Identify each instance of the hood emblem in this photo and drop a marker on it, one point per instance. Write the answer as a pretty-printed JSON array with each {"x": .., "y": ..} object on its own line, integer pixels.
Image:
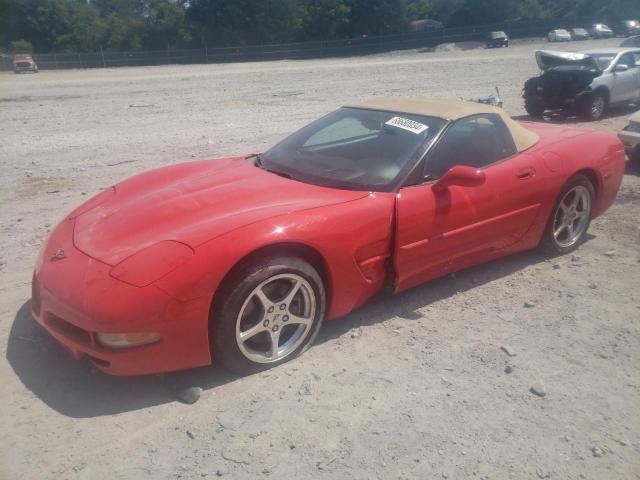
[{"x": 59, "y": 255}]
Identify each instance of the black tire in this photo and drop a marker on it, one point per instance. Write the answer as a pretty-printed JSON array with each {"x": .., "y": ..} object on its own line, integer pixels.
[
  {"x": 533, "y": 108},
  {"x": 238, "y": 291},
  {"x": 549, "y": 244},
  {"x": 592, "y": 107}
]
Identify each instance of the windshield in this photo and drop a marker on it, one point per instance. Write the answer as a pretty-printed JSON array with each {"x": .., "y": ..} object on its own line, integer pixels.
[
  {"x": 498, "y": 35},
  {"x": 354, "y": 148},
  {"x": 603, "y": 60}
]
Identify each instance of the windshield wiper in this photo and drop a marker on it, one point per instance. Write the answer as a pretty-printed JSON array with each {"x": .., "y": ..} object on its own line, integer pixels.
[{"x": 258, "y": 163}]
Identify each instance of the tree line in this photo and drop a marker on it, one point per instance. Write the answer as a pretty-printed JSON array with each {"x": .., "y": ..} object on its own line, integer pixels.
[{"x": 90, "y": 25}]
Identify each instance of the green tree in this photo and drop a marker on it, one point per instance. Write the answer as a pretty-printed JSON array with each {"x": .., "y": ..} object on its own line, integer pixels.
[
  {"x": 325, "y": 19},
  {"x": 419, "y": 9},
  {"x": 378, "y": 17},
  {"x": 21, "y": 46},
  {"x": 165, "y": 24},
  {"x": 220, "y": 22}
]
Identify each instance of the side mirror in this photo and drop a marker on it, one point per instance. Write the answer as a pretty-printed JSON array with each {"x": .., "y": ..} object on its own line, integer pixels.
[
  {"x": 621, "y": 67},
  {"x": 459, "y": 175}
]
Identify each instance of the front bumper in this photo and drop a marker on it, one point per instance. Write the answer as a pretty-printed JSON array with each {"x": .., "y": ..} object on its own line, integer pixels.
[
  {"x": 569, "y": 103},
  {"x": 74, "y": 297},
  {"x": 629, "y": 139}
]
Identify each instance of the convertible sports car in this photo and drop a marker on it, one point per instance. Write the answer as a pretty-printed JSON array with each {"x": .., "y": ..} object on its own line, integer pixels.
[{"x": 241, "y": 259}]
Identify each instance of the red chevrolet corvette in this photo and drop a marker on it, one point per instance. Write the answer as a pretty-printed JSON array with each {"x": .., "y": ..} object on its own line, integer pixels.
[{"x": 241, "y": 259}]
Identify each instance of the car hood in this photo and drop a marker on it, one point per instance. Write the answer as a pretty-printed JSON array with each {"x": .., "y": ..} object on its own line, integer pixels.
[
  {"x": 547, "y": 59},
  {"x": 190, "y": 203}
]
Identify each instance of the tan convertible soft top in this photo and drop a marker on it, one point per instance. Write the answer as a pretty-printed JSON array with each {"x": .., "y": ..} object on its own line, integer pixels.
[{"x": 451, "y": 110}]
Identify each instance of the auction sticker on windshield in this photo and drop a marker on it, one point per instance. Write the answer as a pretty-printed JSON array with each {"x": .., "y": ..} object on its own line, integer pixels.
[{"x": 406, "y": 124}]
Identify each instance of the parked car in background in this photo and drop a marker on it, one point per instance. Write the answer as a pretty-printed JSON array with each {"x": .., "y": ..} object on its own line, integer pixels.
[
  {"x": 559, "y": 35},
  {"x": 584, "y": 83},
  {"x": 631, "y": 42},
  {"x": 629, "y": 28},
  {"x": 630, "y": 137},
  {"x": 579, "y": 34},
  {"x": 497, "y": 40},
  {"x": 600, "y": 30},
  {"x": 23, "y": 62}
]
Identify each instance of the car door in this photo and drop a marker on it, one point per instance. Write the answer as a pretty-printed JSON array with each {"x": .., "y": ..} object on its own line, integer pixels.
[
  {"x": 636, "y": 63},
  {"x": 440, "y": 232},
  {"x": 626, "y": 84}
]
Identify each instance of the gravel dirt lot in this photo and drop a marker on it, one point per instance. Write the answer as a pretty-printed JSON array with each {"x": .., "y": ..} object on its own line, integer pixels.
[{"x": 409, "y": 387}]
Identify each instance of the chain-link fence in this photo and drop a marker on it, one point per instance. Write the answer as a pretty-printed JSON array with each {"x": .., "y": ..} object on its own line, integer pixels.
[{"x": 426, "y": 39}]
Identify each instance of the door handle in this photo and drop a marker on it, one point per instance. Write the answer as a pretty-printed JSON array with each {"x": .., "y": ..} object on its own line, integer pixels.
[{"x": 526, "y": 173}]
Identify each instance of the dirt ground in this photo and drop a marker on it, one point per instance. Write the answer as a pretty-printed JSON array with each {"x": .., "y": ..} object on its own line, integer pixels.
[{"x": 409, "y": 387}]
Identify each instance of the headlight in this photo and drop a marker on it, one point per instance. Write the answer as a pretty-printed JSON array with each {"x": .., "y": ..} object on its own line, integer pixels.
[
  {"x": 125, "y": 340},
  {"x": 152, "y": 263}
]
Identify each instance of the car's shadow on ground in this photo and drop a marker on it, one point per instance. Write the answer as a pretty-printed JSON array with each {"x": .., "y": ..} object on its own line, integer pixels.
[
  {"x": 76, "y": 389},
  {"x": 560, "y": 118}
]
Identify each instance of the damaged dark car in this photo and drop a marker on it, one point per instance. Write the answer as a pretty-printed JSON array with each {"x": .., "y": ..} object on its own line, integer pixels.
[{"x": 583, "y": 84}]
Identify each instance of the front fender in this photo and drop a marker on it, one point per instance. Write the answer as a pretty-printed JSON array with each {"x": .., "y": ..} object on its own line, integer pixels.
[{"x": 353, "y": 239}]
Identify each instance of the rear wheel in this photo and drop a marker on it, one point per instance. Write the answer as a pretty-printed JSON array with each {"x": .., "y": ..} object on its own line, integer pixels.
[
  {"x": 593, "y": 107},
  {"x": 269, "y": 314},
  {"x": 570, "y": 217}
]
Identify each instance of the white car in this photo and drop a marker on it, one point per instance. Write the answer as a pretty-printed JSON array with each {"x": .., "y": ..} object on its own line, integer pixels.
[
  {"x": 560, "y": 35},
  {"x": 600, "y": 30},
  {"x": 586, "y": 83},
  {"x": 630, "y": 137}
]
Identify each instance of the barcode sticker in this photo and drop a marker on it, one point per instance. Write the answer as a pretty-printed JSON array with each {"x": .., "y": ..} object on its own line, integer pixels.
[{"x": 406, "y": 124}]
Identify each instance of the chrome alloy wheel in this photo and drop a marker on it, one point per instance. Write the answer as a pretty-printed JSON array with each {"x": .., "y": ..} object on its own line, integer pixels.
[
  {"x": 597, "y": 107},
  {"x": 571, "y": 217},
  {"x": 276, "y": 318}
]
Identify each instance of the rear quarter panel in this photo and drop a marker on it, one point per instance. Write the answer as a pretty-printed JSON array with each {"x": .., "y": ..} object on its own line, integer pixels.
[{"x": 565, "y": 151}]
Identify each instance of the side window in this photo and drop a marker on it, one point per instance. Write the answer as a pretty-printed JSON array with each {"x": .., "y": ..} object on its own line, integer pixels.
[
  {"x": 474, "y": 141},
  {"x": 627, "y": 59},
  {"x": 636, "y": 59}
]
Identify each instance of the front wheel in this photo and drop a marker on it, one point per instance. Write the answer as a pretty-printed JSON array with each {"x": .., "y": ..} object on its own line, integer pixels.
[
  {"x": 269, "y": 313},
  {"x": 534, "y": 109},
  {"x": 570, "y": 217},
  {"x": 593, "y": 107}
]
